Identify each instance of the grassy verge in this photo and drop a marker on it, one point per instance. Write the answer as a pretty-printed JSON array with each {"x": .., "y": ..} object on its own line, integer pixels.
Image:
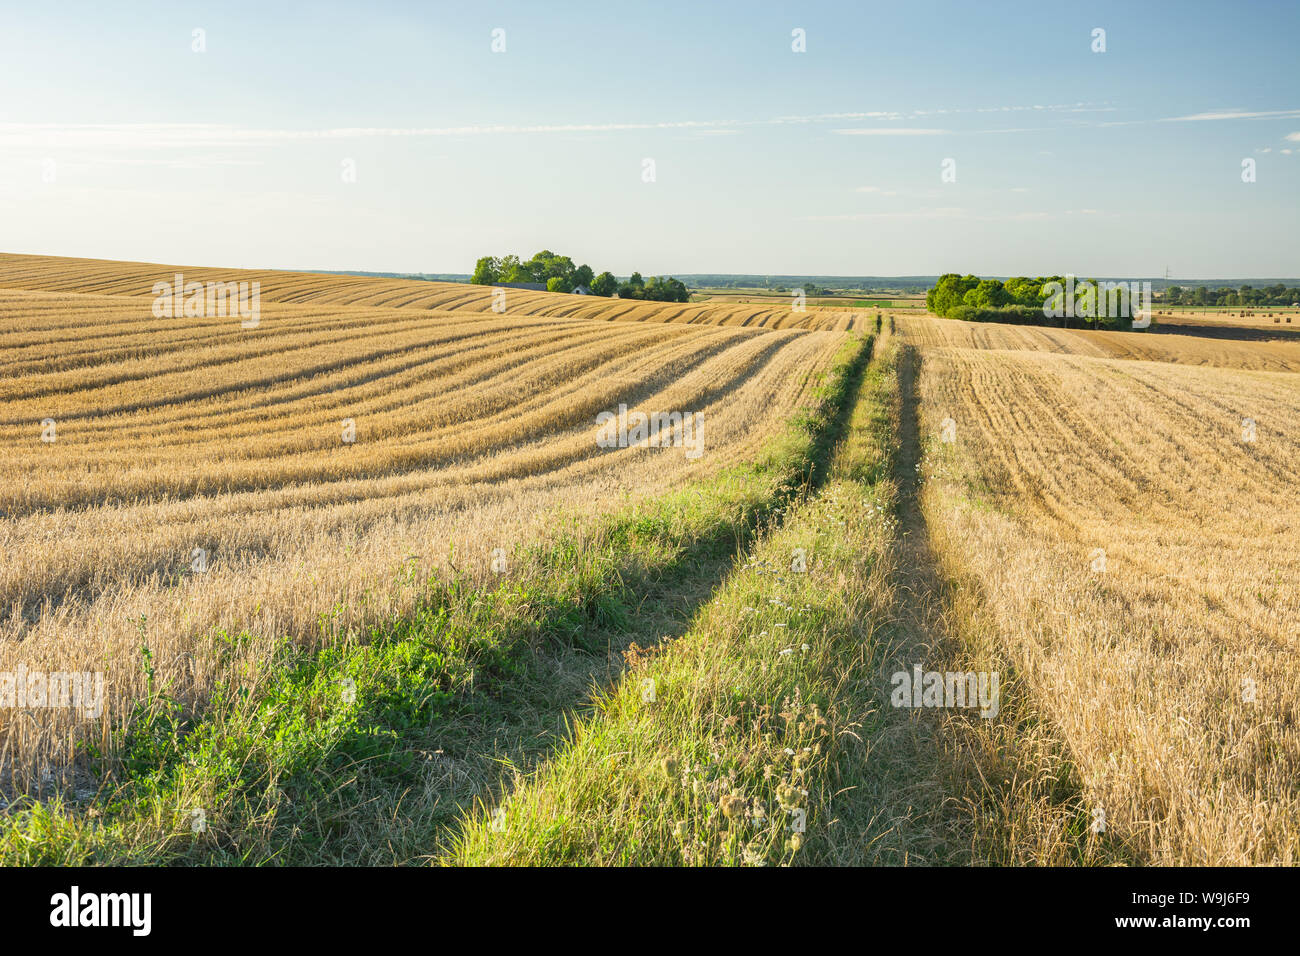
[
  {"x": 367, "y": 751},
  {"x": 740, "y": 743}
]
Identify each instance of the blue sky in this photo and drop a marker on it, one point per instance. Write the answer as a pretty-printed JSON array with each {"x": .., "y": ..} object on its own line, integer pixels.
[{"x": 117, "y": 140}]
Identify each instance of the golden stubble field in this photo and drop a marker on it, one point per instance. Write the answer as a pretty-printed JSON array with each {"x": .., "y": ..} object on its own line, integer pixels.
[
  {"x": 180, "y": 439},
  {"x": 106, "y": 277},
  {"x": 1125, "y": 503},
  {"x": 1135, "y": 529}
]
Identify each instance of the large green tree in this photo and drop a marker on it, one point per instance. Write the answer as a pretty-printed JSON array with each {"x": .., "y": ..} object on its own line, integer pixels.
[
  {"x": 487, "y": 271},
  {"x": 604, "y": 284},
  {"x": 989, "y": 294},
  {"x": 512, "y": 270},
  {"x": 665, "y": 289},
  {"x": 547, "y": 265}
]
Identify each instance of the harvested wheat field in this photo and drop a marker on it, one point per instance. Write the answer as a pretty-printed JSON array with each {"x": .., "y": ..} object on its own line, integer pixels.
[
  {"x": 166, "y": 479},
  {"x": 1132, "y": 526},
  {"x": 103, "y": 277},
  {"x": 1180, "y": 344},
  {"x": 1268, "y": 318},
  {"x": 388, "y": 484}
]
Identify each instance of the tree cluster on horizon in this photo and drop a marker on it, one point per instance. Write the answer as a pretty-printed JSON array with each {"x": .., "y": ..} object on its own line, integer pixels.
[
  {"x": 559, "y": 274},
  {"x": 1246, "y": 296},
  {"x": 1018, "y": 300}
]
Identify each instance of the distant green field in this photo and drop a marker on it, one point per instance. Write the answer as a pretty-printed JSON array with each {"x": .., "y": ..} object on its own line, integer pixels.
[
  {"x": 819, "y": 301},
  {"x": 871, "y": 303}
]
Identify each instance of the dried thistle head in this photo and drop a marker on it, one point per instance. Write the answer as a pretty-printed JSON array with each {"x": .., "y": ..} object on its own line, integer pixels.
[
  {"x": 733, "y": 805},
  {"x": 788, "y": 796}
]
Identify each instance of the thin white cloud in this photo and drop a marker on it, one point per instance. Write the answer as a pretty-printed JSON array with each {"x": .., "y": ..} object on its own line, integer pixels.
[
  {"x": 54, "y": 137},
  {"x": 107, "y": 138},
  {"x": 942, "y": 212},
  {"x": 1019, "y": 129},
  {"x": 829, "y": 117},
  {"x": 1053, "y": 108},
  {"x": 1230, "y": 115},
  {"x": 890, "y": 131},
  {"x": 198, "y": 135},
  {"x": 201, "y": 135},
  {"x": 1292, "y": 137},
  {"x": 936, "y": 212}
]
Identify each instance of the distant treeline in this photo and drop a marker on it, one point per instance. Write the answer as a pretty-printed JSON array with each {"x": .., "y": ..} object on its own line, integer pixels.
[
  {"x": 559, "y": 274},
  {"x": 421, "y": 276},
  {"x": 1246, "y": 296},
  {"x": 824, "y": 284},
  {"x": 1044, "y": 300}
]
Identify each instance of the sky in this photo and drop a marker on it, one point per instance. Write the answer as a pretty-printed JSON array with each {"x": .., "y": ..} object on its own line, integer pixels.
[{"x": 392, "y": 137}]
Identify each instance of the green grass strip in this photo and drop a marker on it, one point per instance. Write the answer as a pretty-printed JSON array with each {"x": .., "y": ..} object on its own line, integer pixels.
[
  {"x": 735, "y": 744},
  {"x": 283, "y": 772}
]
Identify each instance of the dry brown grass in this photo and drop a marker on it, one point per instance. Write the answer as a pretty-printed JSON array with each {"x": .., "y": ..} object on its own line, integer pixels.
[
  {"x": 474, "y": 431},
  {"x": 1272, "y": 318},
  {"x": 106, "y": 277},
  {"x": 1145, "y": 668},
  {"x": 1165, "y": 343}
]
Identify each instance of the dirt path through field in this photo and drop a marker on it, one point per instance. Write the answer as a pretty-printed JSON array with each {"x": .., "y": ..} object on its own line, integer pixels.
[{"x": 913, "y": 799}]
